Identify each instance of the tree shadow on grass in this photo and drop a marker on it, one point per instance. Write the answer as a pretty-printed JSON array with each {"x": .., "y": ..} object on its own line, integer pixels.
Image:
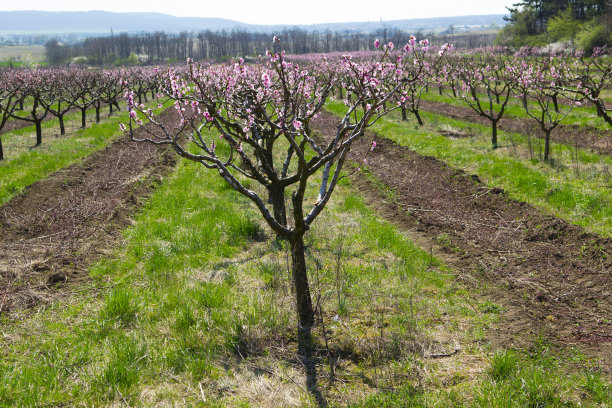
[{"x": 307, "y": 357}]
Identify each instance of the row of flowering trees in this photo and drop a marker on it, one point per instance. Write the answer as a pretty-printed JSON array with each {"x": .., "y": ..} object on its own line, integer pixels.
[
  {"x": 33, "y": 95},
  {"x": 486, "y": 83}
]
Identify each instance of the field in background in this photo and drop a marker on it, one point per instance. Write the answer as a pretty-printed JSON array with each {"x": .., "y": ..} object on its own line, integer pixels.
[{"x": 21, "y": 53}]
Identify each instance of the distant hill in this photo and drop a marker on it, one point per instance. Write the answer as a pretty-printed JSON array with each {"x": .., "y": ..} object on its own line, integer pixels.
[{"x": 96, "y": 22}]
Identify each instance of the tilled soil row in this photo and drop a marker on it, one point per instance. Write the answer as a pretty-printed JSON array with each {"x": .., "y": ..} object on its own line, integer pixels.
[
  {"x": 584, "y": 137},
  {"x": 550, "y": 277},
  {"x": 57, "y": 227}
]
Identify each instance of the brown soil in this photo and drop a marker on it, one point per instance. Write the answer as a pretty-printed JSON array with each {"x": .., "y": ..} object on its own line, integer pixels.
[
  {"x": 584, "y": 137},
  {"x": 57, "y": 227},
  {"x": 550, "y": 277}
]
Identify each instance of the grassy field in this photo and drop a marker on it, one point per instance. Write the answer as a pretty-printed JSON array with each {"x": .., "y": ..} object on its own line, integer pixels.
[
  {"x": 21, "y": 53},
  {"x": 195, "y": 308},
  {"x": 575, "y": 185}
]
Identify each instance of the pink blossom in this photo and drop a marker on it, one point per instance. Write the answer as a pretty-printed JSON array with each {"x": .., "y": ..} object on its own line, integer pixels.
[{"x": 376, "y": 43}]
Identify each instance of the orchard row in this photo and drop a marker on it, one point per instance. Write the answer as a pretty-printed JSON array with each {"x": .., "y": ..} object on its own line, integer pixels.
[{"x": 32, "y": 95}]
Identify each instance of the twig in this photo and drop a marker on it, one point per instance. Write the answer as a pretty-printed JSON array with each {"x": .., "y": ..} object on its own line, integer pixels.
[
  {"x": 202, "y": 392},
  {"x": 442, "y": 355},
  {"x": 122, "y": 397}
]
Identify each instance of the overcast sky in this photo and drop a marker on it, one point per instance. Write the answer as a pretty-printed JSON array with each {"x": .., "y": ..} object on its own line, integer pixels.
[{"x": 281, "y": 11}]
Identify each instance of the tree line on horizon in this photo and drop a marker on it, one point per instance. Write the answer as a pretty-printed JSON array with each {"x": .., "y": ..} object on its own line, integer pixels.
[{"x": 155, "y": 47}]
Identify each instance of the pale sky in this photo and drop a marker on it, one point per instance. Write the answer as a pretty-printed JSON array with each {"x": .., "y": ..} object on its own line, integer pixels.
[{"x": 280, "y": 11}]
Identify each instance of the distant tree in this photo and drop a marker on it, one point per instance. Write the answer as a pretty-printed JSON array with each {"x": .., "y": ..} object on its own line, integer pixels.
[
  {"x": 56, "y": 52},
  {"x": 529, "y": 19},
  {"x": 563, "y": 26}
]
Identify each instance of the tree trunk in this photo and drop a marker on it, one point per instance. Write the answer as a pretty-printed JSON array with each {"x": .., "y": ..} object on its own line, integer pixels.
[
  {"x": 440, "y": 90},
  {"x": 140, "y": 99},
  {"x": 555, "y": 103},
  {"x": 404, "y": 117},
  {"x": 1, "y": 150},
  {"x": 83, "y": 118},
  {"x": 300, "y": 281},
  {"x": 60, "y": 117},
  {"x": 601, "y": 112},
  {"x": 20, "y": 106},
  {"x": 494, "y": 134},
  {"x": 98, "y": 113},
  {"x": 38, "y": 133},
  {"x": 418, "y": 117},
  {"x": 547, "y": 146},
  {"x": 277, "y": 199}
]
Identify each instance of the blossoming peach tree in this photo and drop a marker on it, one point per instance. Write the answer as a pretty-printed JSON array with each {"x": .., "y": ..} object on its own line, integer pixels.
[{"x": 262, "y": 113}]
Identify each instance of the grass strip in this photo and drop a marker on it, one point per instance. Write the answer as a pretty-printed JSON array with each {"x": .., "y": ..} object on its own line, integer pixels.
[
  {"x": 575, "y": 185},
  {"x": 580, "y": 116}
]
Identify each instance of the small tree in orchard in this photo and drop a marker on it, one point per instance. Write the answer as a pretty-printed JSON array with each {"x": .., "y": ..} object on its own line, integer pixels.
[
  {"x": 9, "y": 99},
  {"x": 540, "y": 82},
  {"x": 111, "y": 88},
  {"x": 409, "y": 97},
  {"x": 490, "y": 76},
  {"x": 591, "y": 76},
  {"x": 261, "y": 113},
  {"x": 61, "y": 101},
  {"x": 82, "y": 91},
  {"x": 37, "y": 85}
]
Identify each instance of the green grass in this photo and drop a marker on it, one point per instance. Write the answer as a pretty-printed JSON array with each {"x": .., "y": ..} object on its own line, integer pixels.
[
  {"x": 580, "y": 115},
  {"x": 25, "y": 164},
  {"x": 159, "y": 318},
  {"x": 575, "y": 185},
  {"x": 511, "y": 379}
]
